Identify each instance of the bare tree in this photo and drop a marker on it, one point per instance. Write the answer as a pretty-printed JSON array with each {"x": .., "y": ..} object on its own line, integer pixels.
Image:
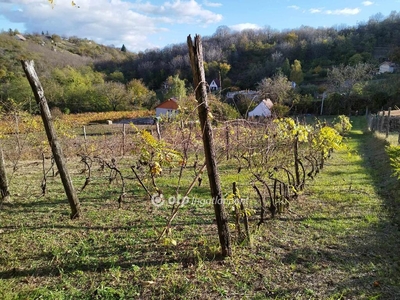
[
  {"x": 342, "y": 79},
  {"x": 276, "y": 88}
]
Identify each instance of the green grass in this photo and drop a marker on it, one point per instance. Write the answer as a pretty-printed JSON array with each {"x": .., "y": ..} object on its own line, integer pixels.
[
  {"x": 392, "y": 139},
  {"x": 339, "y": 240}
]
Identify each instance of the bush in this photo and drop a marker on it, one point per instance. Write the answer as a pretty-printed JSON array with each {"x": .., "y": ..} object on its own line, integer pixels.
[
  {"x": 394, "y": 155},
  {"x": 56, "y": 112},
  {"x": 280, "y": 110},
  {"x": 342, "y": 124}
]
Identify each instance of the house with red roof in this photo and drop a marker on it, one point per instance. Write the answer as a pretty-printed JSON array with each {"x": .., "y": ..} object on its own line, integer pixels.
[{"x": 167, "y": 108}]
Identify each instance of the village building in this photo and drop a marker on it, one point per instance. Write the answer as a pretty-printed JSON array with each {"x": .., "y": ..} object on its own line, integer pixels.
[
  {"x": 214, "y": 85},
  {"x": 387, "y": 67},
  {"x": 262, "y": 110},
  {"x": 168, "y": 108}
]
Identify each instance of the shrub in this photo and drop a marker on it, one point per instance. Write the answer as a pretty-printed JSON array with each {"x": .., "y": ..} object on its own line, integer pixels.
[
  {"x": 342, "y": 124},
  {"x": 394, "y": 155}
]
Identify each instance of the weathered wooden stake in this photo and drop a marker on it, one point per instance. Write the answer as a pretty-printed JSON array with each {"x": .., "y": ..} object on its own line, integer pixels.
[
  {"x": 84, "y": 138},
  {"x": 227, "y": 141},
  {"x": 200, "y": 86},
  {"x": 398, "y": 139},
  {"x": 245, "y": 217},
  {"x": 388, "y": 123},
  {"x": 158, "y": 129},
  {"x": 123, "y": 139},
  {"x": 56, "y": 148},
  {"x": 4, "y": 191},
  {"x": 382, "y": 121}
]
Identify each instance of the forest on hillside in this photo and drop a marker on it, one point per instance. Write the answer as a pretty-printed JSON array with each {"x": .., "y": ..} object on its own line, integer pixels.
[{"x": 79, "y": 75}]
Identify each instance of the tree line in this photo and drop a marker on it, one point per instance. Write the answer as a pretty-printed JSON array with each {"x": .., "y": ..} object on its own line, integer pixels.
[{"x": 80, "y": 75}]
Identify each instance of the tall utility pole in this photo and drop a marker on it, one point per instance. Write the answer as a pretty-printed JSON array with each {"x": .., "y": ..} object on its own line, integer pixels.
[
  {"x": 200, "y": 86},
  {"x": 56, "y": 148}
]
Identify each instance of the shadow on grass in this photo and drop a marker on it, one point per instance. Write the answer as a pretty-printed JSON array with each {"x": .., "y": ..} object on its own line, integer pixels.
[
  {"x": 361, "y": 263},
  {"x": 378, "y": 163},
  {"x": 379, "y": 250},
  {"x": 99, "y": 257},
  {"x": 368, "y": 258}
]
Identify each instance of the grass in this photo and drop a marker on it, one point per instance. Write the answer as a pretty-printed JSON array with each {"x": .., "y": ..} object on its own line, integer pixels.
[
  {"x": 392, "y": 139},
  {"x": 339, "y": 240}
]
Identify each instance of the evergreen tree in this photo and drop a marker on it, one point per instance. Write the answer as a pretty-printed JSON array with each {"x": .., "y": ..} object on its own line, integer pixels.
[{"x": 123, "y": 48}]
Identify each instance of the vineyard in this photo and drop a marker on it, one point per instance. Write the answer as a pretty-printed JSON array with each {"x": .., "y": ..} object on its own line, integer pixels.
[
  {"x": 147, "y": 228},
  {"x": 274, "y": 157}
]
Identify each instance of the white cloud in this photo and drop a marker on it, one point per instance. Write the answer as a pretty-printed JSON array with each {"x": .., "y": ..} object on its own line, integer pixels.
[
  {"x": 107, "y": 21},
  {"x": 344, "y": 11},
  {"x": 243, "y": 26},
  {"x": 179, "y": 12},
  {"x": 315, "y": 10},
  {"x": 212, "y": 4},
  {"x": 367, "y": 3},
  {"x": 294, "y": 7}
]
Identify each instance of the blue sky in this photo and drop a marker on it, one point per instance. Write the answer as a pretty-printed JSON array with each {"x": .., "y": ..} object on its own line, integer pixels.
[{"x": 150, "y": 24}]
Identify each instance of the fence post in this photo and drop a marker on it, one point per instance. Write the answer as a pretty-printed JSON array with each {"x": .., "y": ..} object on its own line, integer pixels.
[
  {"x": 398, "y": 139},
  {"x": 123, "y": 139},
  {"x": 388, "y": 123},
  {"x": 227, "y": 140},
  {"x": 84, "y": 138},
  {"x": 4, "y": 191},
  {"x": 382, "y": 121},
  {"x": 369, "y": 122}
]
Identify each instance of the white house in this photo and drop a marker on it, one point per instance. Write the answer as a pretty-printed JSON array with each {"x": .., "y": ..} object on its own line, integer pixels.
[
  {"x": 215, "y": 85},
  {"x": 387, "y": 67},
  {"x": 262, "y": 110},
  {"x": 167, "y": 109}
]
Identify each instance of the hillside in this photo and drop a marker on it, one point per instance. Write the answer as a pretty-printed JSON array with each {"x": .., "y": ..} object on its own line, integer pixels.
[
  {"x": 54, "y": 51},
  {"x": 75, "y": 68}
]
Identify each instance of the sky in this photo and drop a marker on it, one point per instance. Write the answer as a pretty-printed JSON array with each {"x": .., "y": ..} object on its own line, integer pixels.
[{"x": 149, "y": 24}]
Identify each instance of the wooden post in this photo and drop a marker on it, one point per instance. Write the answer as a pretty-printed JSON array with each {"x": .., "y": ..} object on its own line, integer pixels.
[
  {"x": 376, "y": 122},
  {"x": 56, "y": 148},
  {"x": 369, "y": 122},
  {"x": 123, "y": 139},
  {"x": 382, "y": 121},
  {"x": 4, "y": 191},
  {"x": 245, "y": 217},
  {"x": 84, "y": 139},
  {"x": 388, "y": 123},
  {"x": 398, "y": 139},
  {"x": 156, "y": 121},
  {"x": 296, "y": 162},
  {"x": 199, "y": 82},
  {"x": 227, "y": 140}
]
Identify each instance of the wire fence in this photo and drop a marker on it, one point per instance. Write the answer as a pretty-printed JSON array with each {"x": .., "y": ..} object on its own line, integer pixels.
[{"x": 386, "y": 122}]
